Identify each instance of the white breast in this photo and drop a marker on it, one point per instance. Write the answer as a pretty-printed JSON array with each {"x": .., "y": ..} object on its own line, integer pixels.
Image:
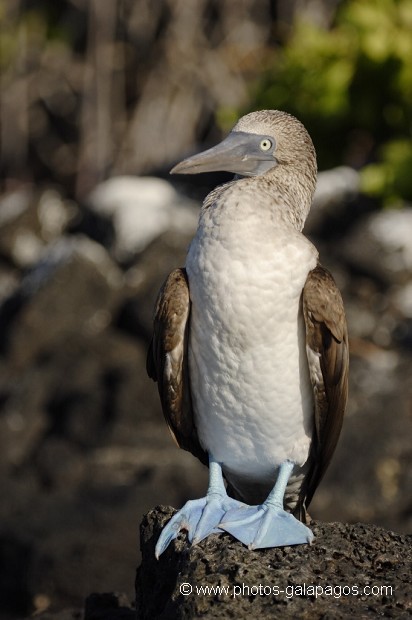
[{"x": 251, "y": 392}]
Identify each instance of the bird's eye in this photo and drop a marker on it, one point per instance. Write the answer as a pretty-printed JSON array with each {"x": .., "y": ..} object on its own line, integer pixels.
[{"x": 265, "y": 145}]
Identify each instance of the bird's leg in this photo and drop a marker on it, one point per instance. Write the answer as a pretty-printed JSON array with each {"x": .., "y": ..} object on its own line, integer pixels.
[
  {"x": 268, "y": 525},
  {"x": 200, "y": 517}
]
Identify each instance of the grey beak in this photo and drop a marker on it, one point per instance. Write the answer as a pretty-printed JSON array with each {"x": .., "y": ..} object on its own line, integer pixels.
[{"x": 238, "y": 153}]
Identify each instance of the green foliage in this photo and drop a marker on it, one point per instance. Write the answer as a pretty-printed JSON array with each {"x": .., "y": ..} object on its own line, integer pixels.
[
  {"x": 390, "y": 178},
  {"x": 352, "y": 87}
]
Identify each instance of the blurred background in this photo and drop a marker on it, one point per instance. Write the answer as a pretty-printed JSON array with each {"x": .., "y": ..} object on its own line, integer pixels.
[{"x": 97, "y": 101}]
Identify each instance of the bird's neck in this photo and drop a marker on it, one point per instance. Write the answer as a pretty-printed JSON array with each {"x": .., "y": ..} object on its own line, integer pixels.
[
  {"x": 287, "y": 197},
  {"x": 297, "y": 191}
]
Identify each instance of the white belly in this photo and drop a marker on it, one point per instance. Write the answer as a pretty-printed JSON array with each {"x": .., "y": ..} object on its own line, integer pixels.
[{"x": 252, "y": 396}]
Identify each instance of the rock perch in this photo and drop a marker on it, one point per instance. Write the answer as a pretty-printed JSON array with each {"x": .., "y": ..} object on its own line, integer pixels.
[{"x": 350, "y": 571}]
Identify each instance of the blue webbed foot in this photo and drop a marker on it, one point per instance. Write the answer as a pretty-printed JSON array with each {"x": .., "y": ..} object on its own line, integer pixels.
[
  {"x": 268, "y": 525},
  {"x": 263, "y": 526},
  {"x": 187, "y": 518},
  {"x": 200, "y": 517}
]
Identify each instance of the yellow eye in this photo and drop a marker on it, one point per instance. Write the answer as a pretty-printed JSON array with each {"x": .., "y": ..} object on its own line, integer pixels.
[{"x": 265, "y": 145}]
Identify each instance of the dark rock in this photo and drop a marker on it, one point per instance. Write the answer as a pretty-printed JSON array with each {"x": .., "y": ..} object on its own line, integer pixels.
[
  {"x": 329, "y": 579},
  {"x": 65, "y": 614},
  {"x": 97, "y": 227},
  {"x": 108, "y": 606},
  {"x": 58, "y": 463},
  {"x": 9, "y": 280},
  {"x": 73, "y": 288},
  {"x": 373, "y": 484},
  {"x": 146, "y": 277},
  {"x": 15, "y": 557},
  {"x": 84, "y": 448},
  {"x": 85, "y": 452}
]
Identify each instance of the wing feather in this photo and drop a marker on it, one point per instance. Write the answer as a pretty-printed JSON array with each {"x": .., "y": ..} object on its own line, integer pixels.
[
  {"x": 167, "y": 361},
  {"x": 328, "y": 357}
]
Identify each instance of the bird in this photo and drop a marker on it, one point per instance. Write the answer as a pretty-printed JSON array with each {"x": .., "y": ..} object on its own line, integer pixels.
[{"x": 250, "y": 342}]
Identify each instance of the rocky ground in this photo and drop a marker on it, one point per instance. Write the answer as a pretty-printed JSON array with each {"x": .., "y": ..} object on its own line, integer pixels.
[
  {"x": 349, "y": 571},
  {"x": 84, "y": 451}
]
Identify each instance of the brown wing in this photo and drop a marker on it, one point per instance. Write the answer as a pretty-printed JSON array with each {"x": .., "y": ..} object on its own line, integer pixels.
[
  {"x": 167, "y": 361},
  {"x": 328, "y": 356}
]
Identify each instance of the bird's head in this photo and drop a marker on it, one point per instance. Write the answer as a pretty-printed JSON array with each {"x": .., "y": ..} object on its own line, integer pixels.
[{"x": 259, "y": 143}]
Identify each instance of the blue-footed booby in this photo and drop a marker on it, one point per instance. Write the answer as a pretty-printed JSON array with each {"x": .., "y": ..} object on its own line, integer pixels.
[{"x": 250, "y": 345}]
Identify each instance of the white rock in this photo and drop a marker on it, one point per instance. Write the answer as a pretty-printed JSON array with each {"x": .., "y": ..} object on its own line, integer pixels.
[
  {"x": 402, "y": 298},
  {"x": 13, "y": 205},
  {"x": 382, "y": 244},
  {"x": 336, "y": 185},
  {"x": 392, "y": 231},
  {"x": 54, "y": 215},
  {"x": 334, "y": 189},
  {"x": 142, "y": 208}
]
